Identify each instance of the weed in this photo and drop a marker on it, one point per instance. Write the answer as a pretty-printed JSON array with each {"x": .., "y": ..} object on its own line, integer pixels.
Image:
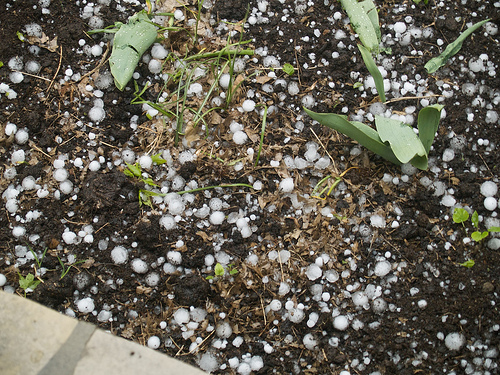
[
  {"x": 67, "y": 267},
  {"x": 135, "y": 171},
  {"x": 460, "y": 216},
  {"x": 38, "y": 260},
  {"x": 468, "y": 264},
  {"x": 28, "y": 283},
  {"x": 289, "y": 69},
  {"x": 219, "y": 271}
]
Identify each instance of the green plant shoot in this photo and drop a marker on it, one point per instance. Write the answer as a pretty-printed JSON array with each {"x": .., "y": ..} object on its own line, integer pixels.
[
  {"x": 468, "y": 264},
  {"x": 289, "y": 69},
  {"x": 28, "y": 283},
  {"x": 460, "y": 216},
  {"x": 364, "y": 20},
  {"x": 452, "y": 48}
]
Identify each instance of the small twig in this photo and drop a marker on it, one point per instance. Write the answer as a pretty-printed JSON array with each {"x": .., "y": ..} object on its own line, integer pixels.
[
  {"x": 324, "y": 148},
  {"x": 57, "y": 71}
]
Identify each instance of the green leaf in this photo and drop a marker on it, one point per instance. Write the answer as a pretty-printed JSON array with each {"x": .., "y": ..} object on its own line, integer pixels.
[
  {"x": 128, "y": 173},
  {"x": 452, "y": 48},
  {"x": 460, "y": 215},
  {"x": 404, "y": 142},
  {"x": 362, "y": 24},
  {"x": 289, "y": 69},
  {"x": 1, "y": 64},
  {"x": 219, "y": 270},
  {"x": 28, "y": 282},
  {"x": 357, "y": 85},
  {"x": 374, "y": 71},
  {"x": 149, "y": 181},
  {"x": 158, "y": 160},
  {"x": 469, "y": 264},
  {"x": 363, "y": 134},
  {"x": 479, "y": 236},
  {"x": 135, "y": 169},
  {"x": 233, "y": 272},
  {"x": 372, "y": 13},
  {"x": 494, "y": 229},
  {"x": 475, "y": 219},
  {"x": 428, "y": 123},
  {"x": 130, "y": 43},
  {"x": 20, "y": 36}
]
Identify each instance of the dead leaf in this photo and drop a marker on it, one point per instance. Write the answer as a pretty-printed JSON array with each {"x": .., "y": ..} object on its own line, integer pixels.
[{"x": 44, "y": 42}]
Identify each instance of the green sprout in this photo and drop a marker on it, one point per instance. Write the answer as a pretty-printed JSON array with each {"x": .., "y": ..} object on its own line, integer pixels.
[
  {"x": 289, "y": 69},
  {"x": 468, "y": 264},
  {"x": 460, "y": 216},
  {"x": 135, "y": 171},
  {"x": 28, "y": 283},
  {"x": 67, "y": 267},
  {"x": 219, "y": 271},
  {"x": 419, "y": 1}
]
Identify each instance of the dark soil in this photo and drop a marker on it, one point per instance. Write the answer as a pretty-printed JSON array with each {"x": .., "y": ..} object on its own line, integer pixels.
[{"x": 426, "y": 250}]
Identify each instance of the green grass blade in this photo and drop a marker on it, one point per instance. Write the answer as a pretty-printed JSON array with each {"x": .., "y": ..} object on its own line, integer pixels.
[
  {"x": 452, "y": 48},
  {"x": 428, "y": 123},
  {"x": 362, "y": 24},
  {"x": 403, "y": 141},
  {"x": 363, "y": 134},
  {"x": 373, "y": 69}
]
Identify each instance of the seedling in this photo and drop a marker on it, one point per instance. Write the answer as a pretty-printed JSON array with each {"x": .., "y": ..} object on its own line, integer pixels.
[
  {"x": 468, "y": 264},
  {"x": 135, "y": 171},
  {"x": 67, "y": 267},
  {"x": 37, "y": 260},
  {"x": 28, "y": 283},
  {"x": 219, "y": 271},
  {"x": 419, "y": 1},
  {"x": 289, "y": 69},
  {"x": 392, "y": 139},
  {"x": 452, "y": 48},
  {"x": 460, "y": 216}
]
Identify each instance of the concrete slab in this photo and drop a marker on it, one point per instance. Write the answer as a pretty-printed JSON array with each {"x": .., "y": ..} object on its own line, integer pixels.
[{"x": 37, "y": 340}]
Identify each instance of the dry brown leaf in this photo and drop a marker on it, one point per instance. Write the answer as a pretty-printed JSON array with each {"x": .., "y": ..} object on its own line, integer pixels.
[{"x": 44, "y": 42}]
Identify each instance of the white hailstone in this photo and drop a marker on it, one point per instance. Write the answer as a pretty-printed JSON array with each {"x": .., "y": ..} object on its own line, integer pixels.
[
  {"x": 145, "y": 162},
  {"x": 96, "y": 50},
  {"x": 28, "y": 183},
  {"x": 400, "y": 27},
  {"x": 491, "y": 28},
  {"x": 296, "y": 315},
  {"x": 224, "y": 80},
  {"x": 10, "y": 129},
  {"x": 309, "y": 341},
  {"x": 154, "y": 342},
  {"x": 340, "y": 322},
  {"x": 176, "y": 207},
  {"x": 155, "y": 66},
  {"x": 448, "y": 200},
  {"x": 256, "y": 363},
  {"x": 286, "y": 185},
  {"x": 18, "y": 231},
  {"x": 308, "y": 101},
  {"x": 454, "y": 340},
  {"x": 167, "y": 222},
  {"x": 58, "y": 163},
  {"x": 104, "y": 316},
  {"x": 33, "y": 29},
  {"x": 69, "y": 237},
  {"x": 293, "y": 88},
  {"x": 377, "y": 221},
  {"x": 240, "y": 137},
  {"x": 97, "y": 114},
  {"x": 359, "y": 299},
  {"x": 18, "y": 157},
  {"x": 283, "y": 289},
  {"x": 490, "y": 203},
  {"x": 195, "y": 89},
  {"x": 313, "y": 319},
  {"x": 314, "y": 272},
  {"x": 21, "y": 136},
  {"x": 215, "y": 204},
  {"x": 181, "y": 316},
  {"x": 382, "y": 268},
  {"x": 179, "y": 15},
  {"x": 85, "y": 305},
  {"x": 119, "y": 255},
  {"x": 208, "y": 362},
  {"x": 488, "y": 189},
  {"x": 66, "y": 187},
  {"x": 94, "y": 166},
  {"x": 379, "y": 305},
  {"x": 16, "y": 77},
  {"x": 3, "y": 280},
  {"x": 448, "y": 155},
  {"x": 248, "y": 105},
  {"x": 217, "y": 218},
  {"x": 158, "y": 52},
  {"x": 60, "y": 174},
  {"x": 128, "y": 156},
  {"x": 178, "y": 183},
  {"x": 174, "y": 257},
  {"x": 32, "y": 67},
  {"x": 275, "y": 305},
  {"x": 224, "y": 330},
  {"x": 139, "y": 266},
  {"x": 476, "y": 64},
  {"x": 491, "y": 117},
  {"x": 152, "y": 279}
]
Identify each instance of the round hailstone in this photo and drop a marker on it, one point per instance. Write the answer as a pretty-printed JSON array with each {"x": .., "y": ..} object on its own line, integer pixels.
[
  {"x": 158, "y": 52},
  {"x": 16, "y": 77},
  {"x": 208, "y": 362},
  {"x": 490, "y": 203},
  {"x": 119, "y": 255},
  {"x": 85, "y": 305},
  {"x": 400, "y": 27},
  {"x": 340, "y": 322},
  {"x": 240, "y": 137},
  {"x": 224, "y": 330},
  {"x": 18, "y": 231},
  {"x": 155, "y": 66},
  {"x": 18, "y": 157},
  {"x": 448, "y": 200},
  {"x": 248, "y": 105},
  {"x": 154, "y": 342},
  {"x": 181, "y": 316},
  {"x": 60, "y": 175},
  {"x": 286, "y": 185},
  {"x": 174, "y": 257},
  {"x": 314, "y": 272},
  {"x": 22, "y": 136},
  {"x": 94, "y": 166},
  {"x": 377, "y": 221},
  {"x": 309, "y": 341},
  {"x": 382, "y": 268},
  {"x": 488, "y": 189},
  {"x": 379, "y": 305},
  {"x": 217, "y": 217},
  {"x": 359, "y": 298},
  {"x": 176, "y": 207},
  {"x": 97, "y": 114},
  {"x": 3, "y": 279},
  {"x": 145, "y": 162},
  {"x": 256, "y": 363},
  {"x": 296, "y": 315},
  {"x": 454, "y": 340},
  {"x": 32, "y": 67},
  {"x": 224, "y": 80},
  {"x": 66, "y": 187},
  {"x": 28, "y": 183},
  {"x": 139, "y": 266},
  {"x": 152, "y": 279},
  {"x": 69, "y": 237},
  {"x": 167, "y": 222}
]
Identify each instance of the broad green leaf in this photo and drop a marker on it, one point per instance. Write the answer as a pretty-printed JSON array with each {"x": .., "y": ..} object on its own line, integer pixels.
[
  {"x": 494, "y": 229},
  {"x": 289, "y": 69},
  {"x": 372, "y": 13},
  {"x": 469, "y": 264},
  {"x": 460, "y": 215},
  {"x": 157, "y": 159},
  {"x": 475, "y": 219},
  {"x": 479, "y": 236},
  {"x": 219, "y": 270},
  {"x": 135, "y": 169},
  {"x": 362, "y": 24},
  {"x": 129, "y": 44},
  {"x": 404, "y": 142},
  {"x": 373, "y": 69},
  {"x": 428, "y": 123},
  {"x": 452, "y": 48},
  {"x": 363, "y": 134}
]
